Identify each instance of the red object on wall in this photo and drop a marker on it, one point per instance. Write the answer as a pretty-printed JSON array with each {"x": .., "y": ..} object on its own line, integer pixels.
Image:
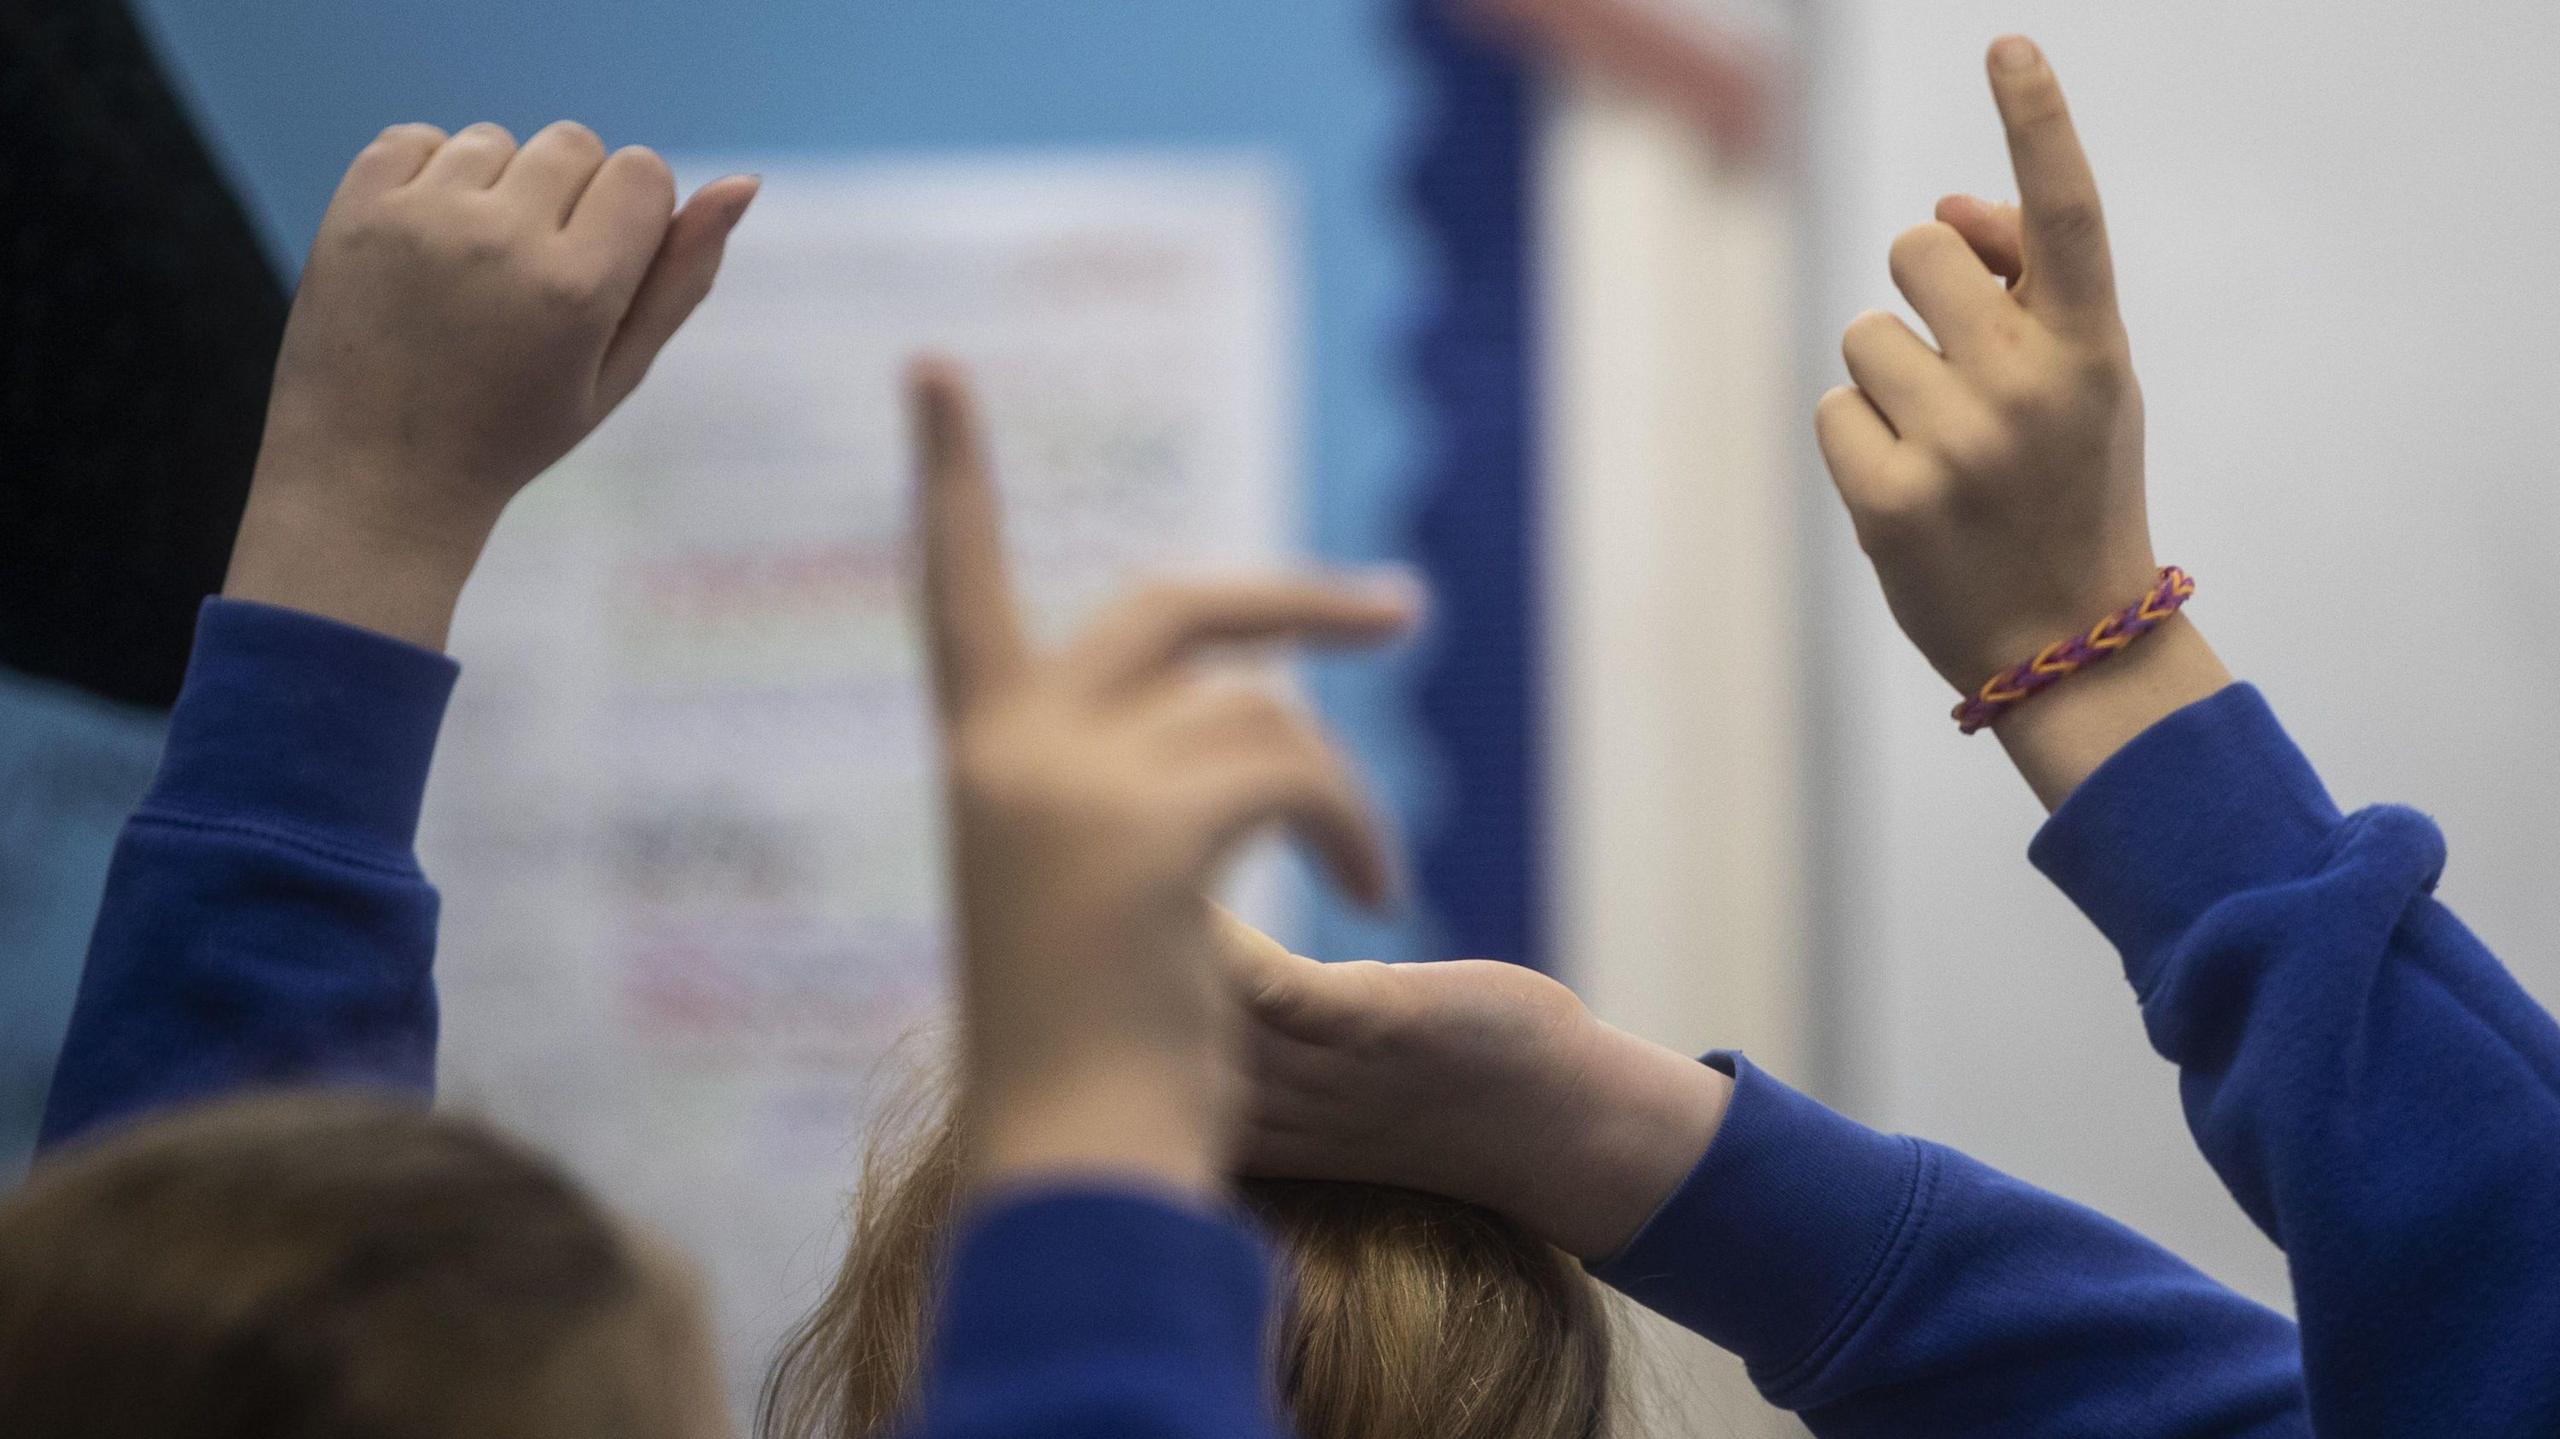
[{"x": 1724, "y": 82}]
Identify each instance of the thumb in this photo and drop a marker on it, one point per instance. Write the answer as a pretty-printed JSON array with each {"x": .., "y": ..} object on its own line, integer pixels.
[
  {"x": 679, "y": 276},
  {"x": 1261, "y": 969},
  {"x": 1995, "y": 231}
]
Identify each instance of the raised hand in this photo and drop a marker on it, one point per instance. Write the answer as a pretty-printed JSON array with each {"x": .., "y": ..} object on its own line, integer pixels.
[
  {"x": 470, "y": 311},
  {"x": 1478, "y": 1080},
  {"x": 1095, "y": 795},
  {"x": 1996, "y": 477}
]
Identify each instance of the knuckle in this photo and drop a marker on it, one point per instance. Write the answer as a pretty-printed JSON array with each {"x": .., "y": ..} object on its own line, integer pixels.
[
  {"x": 2007, "y": 333},
  {"x": 569, "y": 290},
  {"x": 2036, "y": 106},
  {"x": 408, "y": 132},
  {"x": 1830, "y": 413},
  {"x": 575, "y": 133},
  {"x": 1915, "y": 246},
  {"x": 2099, "y": 370},
  {"x": 1867, "y": 331},
  {"x": 646, "y": 164},
  {"x": 2072, "y": 223},
  {"x": 1896, "y": 507},
  {"x": 1973, "y": 446},
  {"x": 478, "y": 247},
  {"x": 1890, "y": 518},
  {"x": 447, "y": 232},
  {"x": 2023, "y": 390},
  {"x": 379, "y": 227}
]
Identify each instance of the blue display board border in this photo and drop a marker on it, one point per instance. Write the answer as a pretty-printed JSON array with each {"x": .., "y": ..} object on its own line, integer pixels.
[{"x": 1474, "y": 531}]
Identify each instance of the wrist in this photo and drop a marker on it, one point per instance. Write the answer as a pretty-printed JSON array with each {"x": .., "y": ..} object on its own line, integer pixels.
[
  {"x": 318, "y": 548},
  {"x": 2062, "y": 737},
  {"x": 1642, "y": 1118},
  {"x": 1133, "y": 1122},
  {"x": 2038, "y": 610}
]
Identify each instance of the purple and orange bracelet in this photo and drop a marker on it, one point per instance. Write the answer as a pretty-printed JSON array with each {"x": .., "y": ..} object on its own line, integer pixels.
[{"x": 2064, "y": 658}]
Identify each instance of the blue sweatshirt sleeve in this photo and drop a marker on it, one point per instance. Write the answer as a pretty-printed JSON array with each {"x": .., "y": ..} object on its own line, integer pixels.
[
  {"x": 265, "y": 922},
  {"x": 1879, "y": 1285},
  {"x": 1099, "y": 1314},
  {"x": 2372, "y": 1085},
  {"x": 264, "y": 919}
]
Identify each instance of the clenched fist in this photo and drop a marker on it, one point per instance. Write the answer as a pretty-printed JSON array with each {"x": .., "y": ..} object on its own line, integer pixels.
[{"x": 470, "y": 311}]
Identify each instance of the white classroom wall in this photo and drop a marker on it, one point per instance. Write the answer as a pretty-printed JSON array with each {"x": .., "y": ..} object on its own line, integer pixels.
[
  {"x": 1667, "y": 284},
  {"x": 2338, "y": 229}
]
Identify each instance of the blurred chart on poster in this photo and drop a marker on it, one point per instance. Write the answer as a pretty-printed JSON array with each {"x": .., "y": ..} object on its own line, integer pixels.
[{"x": 683, "y": 815}]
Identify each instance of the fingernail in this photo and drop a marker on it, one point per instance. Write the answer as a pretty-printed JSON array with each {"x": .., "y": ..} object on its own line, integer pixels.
[{"x": 2013, "y": 53}]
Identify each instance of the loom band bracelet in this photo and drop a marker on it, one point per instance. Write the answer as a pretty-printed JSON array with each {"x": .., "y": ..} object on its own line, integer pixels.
[{"x": 2064, "y": 658}]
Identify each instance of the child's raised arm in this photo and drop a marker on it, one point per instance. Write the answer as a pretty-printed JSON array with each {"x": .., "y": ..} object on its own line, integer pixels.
[
  {"x": 1094, "y": 796},
  {"x": 2373, "y": 1087},
  {"x": 1876, "y": 1285},
  {"x": 471, "y": 310}
]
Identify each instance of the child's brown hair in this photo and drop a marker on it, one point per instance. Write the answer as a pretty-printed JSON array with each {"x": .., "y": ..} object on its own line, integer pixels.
[{"x": 335, "y": 1268}]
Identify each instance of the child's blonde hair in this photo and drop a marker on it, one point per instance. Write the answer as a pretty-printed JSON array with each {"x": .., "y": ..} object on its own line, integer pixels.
[{"x": 1409, "y": 1316}]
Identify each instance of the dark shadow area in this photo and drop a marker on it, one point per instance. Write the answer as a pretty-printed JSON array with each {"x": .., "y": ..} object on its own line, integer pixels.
[{"x": 141, "y": 321}]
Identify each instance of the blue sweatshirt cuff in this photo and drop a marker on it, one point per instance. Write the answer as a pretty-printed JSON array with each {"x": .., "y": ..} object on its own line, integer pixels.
[
  {"x": 1089, "y": 1286},
  {"x": 320, "y": 730},
  {"x": 2210, "y": 802},
  {"x": 1778, "y": 1242}
]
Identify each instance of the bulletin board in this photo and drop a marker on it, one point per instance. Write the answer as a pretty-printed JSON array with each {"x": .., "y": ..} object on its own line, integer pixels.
[{"x": 693, "y": 1008}]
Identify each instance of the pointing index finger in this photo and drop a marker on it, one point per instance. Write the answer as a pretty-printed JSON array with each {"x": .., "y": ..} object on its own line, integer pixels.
[
  {"x": 2067, "y": 263},
  {"x": 968, "y": 597}
]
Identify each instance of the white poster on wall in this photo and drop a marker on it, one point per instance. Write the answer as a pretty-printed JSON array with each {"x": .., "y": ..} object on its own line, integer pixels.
[{"x": 683, "y": 815}]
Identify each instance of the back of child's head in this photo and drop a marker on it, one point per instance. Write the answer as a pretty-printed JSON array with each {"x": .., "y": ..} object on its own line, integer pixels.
[
  {"x": 332, "y": 1268},
  {"x": 1410, "y": 1316},
  {"x": 1419, "y": 1317}
]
